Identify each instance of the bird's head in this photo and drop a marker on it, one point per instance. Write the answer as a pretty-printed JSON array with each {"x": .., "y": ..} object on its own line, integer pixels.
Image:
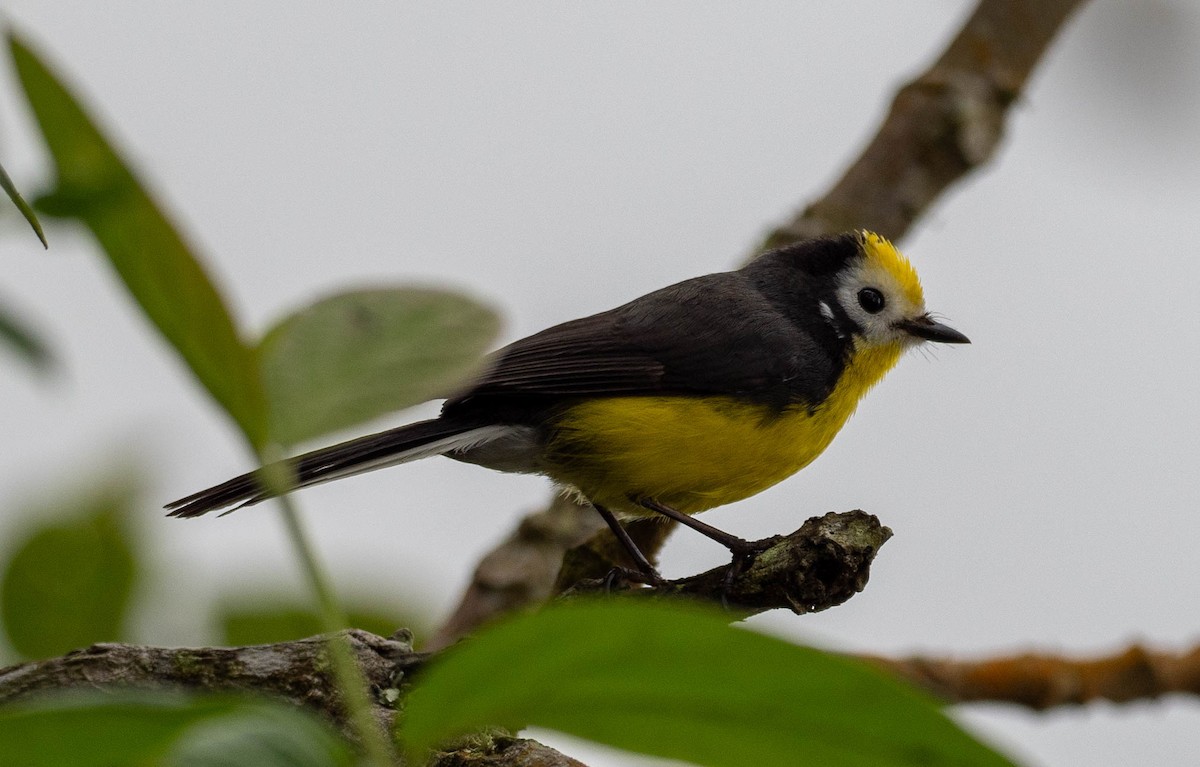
[{"x": 879, "y": 292}]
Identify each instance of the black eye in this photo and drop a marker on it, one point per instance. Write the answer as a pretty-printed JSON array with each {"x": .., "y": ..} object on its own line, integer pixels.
[{"x": 871, "y": 300}]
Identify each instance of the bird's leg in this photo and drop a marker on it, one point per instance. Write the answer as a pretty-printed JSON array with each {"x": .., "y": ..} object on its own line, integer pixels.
[
  {"x": 645, "y": 571},
  {"x": 743, "y": 551},
  {"x": 736, "y": 545}
]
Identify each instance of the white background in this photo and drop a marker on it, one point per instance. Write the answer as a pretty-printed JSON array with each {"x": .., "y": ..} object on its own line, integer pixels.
[{"x": 556, "y": 159}]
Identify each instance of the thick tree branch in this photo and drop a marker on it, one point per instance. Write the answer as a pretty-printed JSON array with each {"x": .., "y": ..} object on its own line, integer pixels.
[
  {"x": 293, "y": 671},
  {"x": 942, "y": 125}
]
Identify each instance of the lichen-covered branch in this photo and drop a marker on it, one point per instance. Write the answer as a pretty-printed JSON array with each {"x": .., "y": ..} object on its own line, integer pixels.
[
  {"x": 294, "y": 671},
  {"x": 298, "y": 672},
  {"x": 819, "y": 566}
]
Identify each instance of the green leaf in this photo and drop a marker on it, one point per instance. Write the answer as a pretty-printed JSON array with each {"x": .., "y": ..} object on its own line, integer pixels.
[
  {"x": 20, "y": 337},
  {"x": 263, "y": 736},
  {"x": 359, "y": 355},
  {"x": 7, "y": 185},
  {"x": 161, "y": 729},
  {"x": 68, "y": 584},
  {"x": 680, "y": 683},
  {"x": 86, "y": 732},
  {"x": 96, "y": 186}
]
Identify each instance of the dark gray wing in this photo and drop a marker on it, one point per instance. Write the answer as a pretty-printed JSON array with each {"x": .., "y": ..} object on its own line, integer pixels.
[{"x": 715, "y": 334}]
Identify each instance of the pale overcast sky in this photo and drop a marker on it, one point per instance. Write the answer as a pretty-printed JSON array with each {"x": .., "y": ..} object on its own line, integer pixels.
[{"x": 556, "y": 159}]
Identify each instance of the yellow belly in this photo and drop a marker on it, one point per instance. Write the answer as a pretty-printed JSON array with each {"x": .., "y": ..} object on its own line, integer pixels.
[{"x": 694, "y": 453}]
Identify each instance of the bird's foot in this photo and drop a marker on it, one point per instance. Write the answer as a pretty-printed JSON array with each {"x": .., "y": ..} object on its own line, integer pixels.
[{"x": 623, "y": 576}]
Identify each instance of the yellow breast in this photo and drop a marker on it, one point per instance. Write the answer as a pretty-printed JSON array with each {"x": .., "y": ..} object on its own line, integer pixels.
[{"x": 696, "y": 453}]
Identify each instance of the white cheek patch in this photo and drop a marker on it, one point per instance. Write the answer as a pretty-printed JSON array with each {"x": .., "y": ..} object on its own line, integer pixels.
[{"x": 875, "y": 327}]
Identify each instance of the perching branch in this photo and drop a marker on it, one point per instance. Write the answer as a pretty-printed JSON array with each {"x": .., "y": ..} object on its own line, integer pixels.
[
  {"x": 819, "y": 566},
  {"x": 943, "y": 124}
]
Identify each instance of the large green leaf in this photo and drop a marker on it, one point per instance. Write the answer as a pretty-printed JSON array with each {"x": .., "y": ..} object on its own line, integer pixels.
[
  {"x": 68, "y": 583},
  {"x": 358, "y": 355},
  {"x": 96, "y": 186},
  {"x": 145, "y": 729},
  {"x": 680, "y": 683}
]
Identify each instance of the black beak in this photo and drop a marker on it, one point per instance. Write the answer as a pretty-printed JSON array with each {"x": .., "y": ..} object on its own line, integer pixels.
[{"x": 924, "y": 327}]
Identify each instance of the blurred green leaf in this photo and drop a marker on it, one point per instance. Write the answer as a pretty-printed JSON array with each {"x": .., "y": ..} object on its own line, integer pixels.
[
  {"x": 21, "y": 338},
  {"x": 680, "y": 683},
  {"x": 7, "y": 185},
  {"x": 82, "y": 731},
  {"x": 262, "y": 736},
  {"x": 68, "y": 584},
  {"x": 262, "y": 624},
  {"x": 96, "y": 186},
  {"x": 161, "y": 729},
  {"x": 358, "y": 355}
]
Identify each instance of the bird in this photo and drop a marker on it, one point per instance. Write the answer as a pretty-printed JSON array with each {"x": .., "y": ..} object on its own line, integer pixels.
[{"x": 693, "y": 396}]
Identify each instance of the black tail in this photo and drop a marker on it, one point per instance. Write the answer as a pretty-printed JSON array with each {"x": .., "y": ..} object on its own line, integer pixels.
[{"x": 405, "y": 443}]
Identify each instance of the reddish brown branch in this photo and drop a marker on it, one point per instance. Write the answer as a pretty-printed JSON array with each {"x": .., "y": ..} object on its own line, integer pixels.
[{"x": 1045, "y": 681}]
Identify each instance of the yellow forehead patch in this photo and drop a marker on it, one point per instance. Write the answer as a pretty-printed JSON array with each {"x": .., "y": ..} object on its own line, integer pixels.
[{"x": 881, "y": 252}]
